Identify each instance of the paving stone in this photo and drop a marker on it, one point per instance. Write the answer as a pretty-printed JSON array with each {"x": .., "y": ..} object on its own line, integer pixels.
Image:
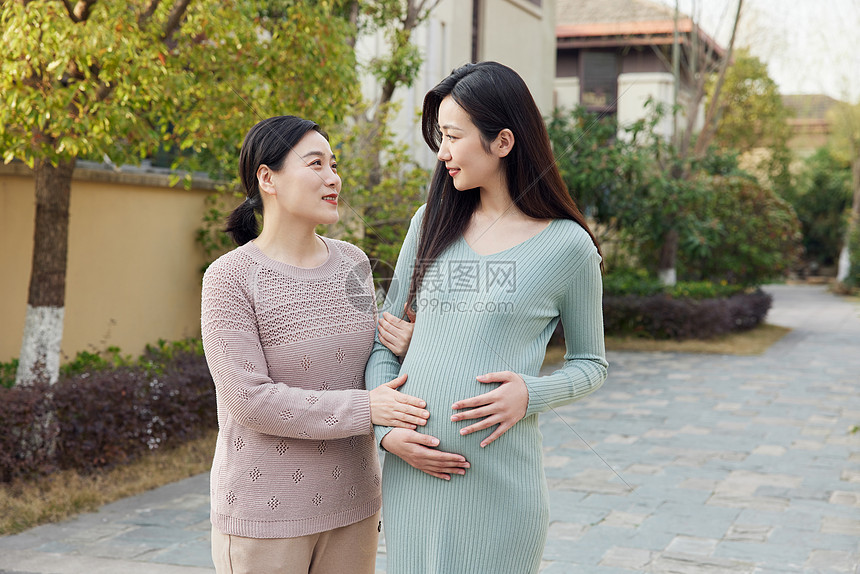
[
  {"x": 850, "y": 475},
  {"x": 647, "y": 469},
  {"x": 623, "y": 519},
  {"x": 706, "y": 484},
  {"x": 620, "y": 439},
  {"x": 566, "y": 530},
  {"x": 846, "y": 498},
  {"x": 555, "y": 461},
  {"x": 628, "y": 558},
  {"x": 769, "y": 450},
  {"x": 816, "y": 431},
  {"x": 840, "y": 525},
  {"x": 745, "y": 501},
  {"x": 807, "y": 445},
  {"x": 672, "y": 563},
  {"x": 692, "y": 545},
  {"x": 681, "y": 519},
  {"x": 766, "y": 554},
  {"x": 833, "y": 561},
  {"x": 748, "y": 533}
]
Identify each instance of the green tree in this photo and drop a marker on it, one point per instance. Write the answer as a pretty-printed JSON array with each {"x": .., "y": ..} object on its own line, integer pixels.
[
  {"x": 86, "y": 79},
  {"x": 382, "y": 185},
  {"x": 382, "y": 188},
  {"x": 690, "y": 147},
  {"x": 754, "y": 119},
  {"x": 588, "y": 156},
  {"x": 753, "y": 114},
  {"x": 626, "y": 185},
  {"x": 821, "y": 198},
  {"x": 385, "y": 185},
  {"x": 845, "y": 143}
]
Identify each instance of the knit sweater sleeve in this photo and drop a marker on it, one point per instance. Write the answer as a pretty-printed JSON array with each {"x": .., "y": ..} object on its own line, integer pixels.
[
  {"x": 236, "y": 360},
  {"x": 383, "y": 365},
  {"x": 585, "y": 365}
]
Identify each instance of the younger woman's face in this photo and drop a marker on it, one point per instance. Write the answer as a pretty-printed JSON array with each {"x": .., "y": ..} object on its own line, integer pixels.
[
  {"x": 462, "y": 149},
  {"x": 307, "y": 185}
]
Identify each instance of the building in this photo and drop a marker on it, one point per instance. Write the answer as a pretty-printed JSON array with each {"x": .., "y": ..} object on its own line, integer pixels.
[
  {"x": 517, "y": 33},
  {"x": 612, "y": 55},
  {"x": 810, "y": 125}
]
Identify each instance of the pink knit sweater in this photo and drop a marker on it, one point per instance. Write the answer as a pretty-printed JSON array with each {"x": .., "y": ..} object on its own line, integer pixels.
[{"x": 287, "y": 348}]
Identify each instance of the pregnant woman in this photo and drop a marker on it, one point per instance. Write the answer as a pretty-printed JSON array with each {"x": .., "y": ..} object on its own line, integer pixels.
[{"x": 491, "y": 263}]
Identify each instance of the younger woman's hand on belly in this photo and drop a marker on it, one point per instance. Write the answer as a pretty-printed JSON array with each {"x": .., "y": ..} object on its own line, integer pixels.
[
  {"x": 503, "y": 406},
  {"x": 419, "y": 450}
]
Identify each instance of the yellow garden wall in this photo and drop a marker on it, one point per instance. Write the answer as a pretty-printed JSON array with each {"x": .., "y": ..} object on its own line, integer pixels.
[{"x": 134, "y": 268}]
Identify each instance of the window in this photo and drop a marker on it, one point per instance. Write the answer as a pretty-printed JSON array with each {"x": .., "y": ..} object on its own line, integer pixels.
[{"x": 599, "y": 81}]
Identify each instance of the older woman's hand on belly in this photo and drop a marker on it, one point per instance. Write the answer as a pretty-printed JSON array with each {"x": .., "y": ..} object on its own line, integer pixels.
[
  {"x": 419, "y": 450},
  {"x": 389, "y": 407}
]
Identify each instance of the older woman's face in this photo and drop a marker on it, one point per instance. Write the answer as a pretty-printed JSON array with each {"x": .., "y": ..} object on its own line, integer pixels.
[{"x": 308, "y": 185}]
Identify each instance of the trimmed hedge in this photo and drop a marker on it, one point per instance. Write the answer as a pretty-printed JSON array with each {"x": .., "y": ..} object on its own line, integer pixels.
[
  {"x": 100, "y": 418},
  {"x": 27, "y": 428},
  {"x": 639, "y": 282},
  {"x": 665, "y": 317}
]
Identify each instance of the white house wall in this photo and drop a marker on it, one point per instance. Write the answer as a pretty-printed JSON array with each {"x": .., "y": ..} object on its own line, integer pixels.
[
  {"x": 567, "y": 92},
  {"x": 516, "y": 33},
  {"x": 521, "y": 35},
  {"x": 634, "y": 90}
]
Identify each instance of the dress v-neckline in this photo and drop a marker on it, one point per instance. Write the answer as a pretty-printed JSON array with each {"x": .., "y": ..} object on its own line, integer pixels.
[{"x": 523, "y": 242}]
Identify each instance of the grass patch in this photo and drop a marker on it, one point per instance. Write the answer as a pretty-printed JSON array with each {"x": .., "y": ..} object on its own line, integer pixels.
[
  {"x": 753, "y": 342},
  {"x": 25, "y": 504}
]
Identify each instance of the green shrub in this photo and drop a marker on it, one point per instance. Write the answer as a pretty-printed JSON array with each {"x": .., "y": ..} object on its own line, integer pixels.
[
  {"x": 631, "y": 282},
  {"x": 638, "y": 282},
  {"x": 703, "y": 289},
  {"x": 853, "y": 279},
  {"x": 7, "y": 373},
  {"x": 665, "y": 317},
  {"x": 109, "y": 416},
  {"x": 26, "y": 437},
  {"x": 747, "y": 235},
  {"x": 820, "y": 198},
  {"x": 87, "y": 362},
  {"x": 105, "y": 410}
]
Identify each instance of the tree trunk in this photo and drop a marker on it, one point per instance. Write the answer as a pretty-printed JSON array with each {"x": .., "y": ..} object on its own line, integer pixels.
[
  {"x": 668, "y": 256},
  {"x": 43, "y": 330}
]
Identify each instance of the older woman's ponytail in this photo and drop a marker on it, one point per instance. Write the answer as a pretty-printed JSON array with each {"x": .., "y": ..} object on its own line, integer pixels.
[{"x": 242, "y": 224}]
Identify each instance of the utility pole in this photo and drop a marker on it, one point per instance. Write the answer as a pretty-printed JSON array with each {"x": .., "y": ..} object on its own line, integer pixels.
[{"x": 676, "y": 74}]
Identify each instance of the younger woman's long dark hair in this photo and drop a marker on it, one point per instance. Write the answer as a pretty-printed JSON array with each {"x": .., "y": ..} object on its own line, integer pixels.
[
  {"x": 267, "y": 143},
  {"x": 495, "y": 97}
]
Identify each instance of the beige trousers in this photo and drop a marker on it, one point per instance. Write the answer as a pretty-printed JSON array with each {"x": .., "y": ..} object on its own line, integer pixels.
[{"x": 347, "y": 549}]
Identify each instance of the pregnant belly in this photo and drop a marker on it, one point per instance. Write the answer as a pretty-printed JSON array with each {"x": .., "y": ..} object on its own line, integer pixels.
[{"x": 440, "y": 386}]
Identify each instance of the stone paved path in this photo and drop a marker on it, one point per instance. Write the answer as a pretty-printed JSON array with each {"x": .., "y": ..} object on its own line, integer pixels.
[
  {"x": 726, "y": 464},
  {"x": 719, "y": 464}
]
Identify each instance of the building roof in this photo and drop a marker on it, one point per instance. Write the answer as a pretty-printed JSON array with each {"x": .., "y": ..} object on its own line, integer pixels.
[
  {"x": 610, "y": 11},
  {"x": 809, "y": 106},
  {"x": 606, "y": 23}
]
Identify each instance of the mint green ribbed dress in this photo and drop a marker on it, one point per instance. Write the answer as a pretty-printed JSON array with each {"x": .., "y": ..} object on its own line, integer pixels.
[{"x": 480, "y": 314}]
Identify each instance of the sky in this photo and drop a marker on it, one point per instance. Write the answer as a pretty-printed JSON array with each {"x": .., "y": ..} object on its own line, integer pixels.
[{"x": 810, "y": 46}]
